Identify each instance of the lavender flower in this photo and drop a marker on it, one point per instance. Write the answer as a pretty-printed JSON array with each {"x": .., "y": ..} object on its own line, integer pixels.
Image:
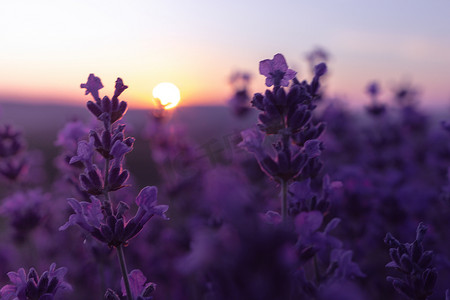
[
  {"x": 13, "y": 164},
  {"x": 25, "y": 211},
  {"x": 92, "y": 86},
  {"x": 276, "y": 71},
  {"x": 418, "y": 274},
  {"x": 106, "y": 110},
  {"x": 31, "y": 286},
  {"x": 113, "y": 229},
  {"x": 140, "y": 288}
]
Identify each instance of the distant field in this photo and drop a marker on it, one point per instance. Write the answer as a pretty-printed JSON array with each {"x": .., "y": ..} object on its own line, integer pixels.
[{"x": 41, "y": 123}]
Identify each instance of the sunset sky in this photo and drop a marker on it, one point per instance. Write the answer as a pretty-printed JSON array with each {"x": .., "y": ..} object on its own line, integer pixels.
[{"x": 49, "y": 47}]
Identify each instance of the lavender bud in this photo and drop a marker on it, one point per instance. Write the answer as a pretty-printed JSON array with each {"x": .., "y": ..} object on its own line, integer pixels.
[
  {"x": 122, "y": 207},
  {"x": 430, "y": 278},
  {"x": 405, "y": 263},
  {"x": 118, "y": 183},
  {"x": 94, "y": 176},
  {"x": 402, "y": 288},
  {"x": 31, "y": 290},
  {"x": 425, "y": 259},
  {"x": 119, "y": 229},
  {"x": 97, "y": 143},
  {"x": 106, "y": 140},
  {"x": 111, "y": 221},
  {"x": 320, "y": 69},
  {"x": 393, "y": 253},
  {"x": 258, "y": 101},
  {"x": 106, "y": 232},
  {"x": 421, "y": 230},
  {"x": 94, "y": 108},
  {"x": 43, "y": 283},
  {"x": 416, "y": 251},
  {"x": 106, "y": 104},
  {"x": 129, "y": 141}
]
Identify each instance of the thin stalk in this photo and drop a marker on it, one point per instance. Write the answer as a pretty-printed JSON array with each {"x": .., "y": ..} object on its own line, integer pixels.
[
  {"x": 284, "y": 204},
  {"x": 123, "y": 268}
]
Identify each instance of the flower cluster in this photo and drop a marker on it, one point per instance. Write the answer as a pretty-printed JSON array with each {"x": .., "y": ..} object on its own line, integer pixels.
[
  {"x": 31, "y": 286},
  {"x": 112, "y": 228},
  {"x": 288, "y": 116},
  {"x": 98, "y": 217},
  {"x": 418, "y": 274},
  {"x": 12, "y": 162}
]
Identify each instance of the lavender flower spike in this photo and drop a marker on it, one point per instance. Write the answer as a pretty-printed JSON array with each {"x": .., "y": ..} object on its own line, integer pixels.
[
  {"x": 31, "y": 286},
  {"x": 276, "y": 71}
]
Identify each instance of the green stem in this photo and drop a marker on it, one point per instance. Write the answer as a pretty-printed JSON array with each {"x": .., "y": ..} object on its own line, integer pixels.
[
  {"x": 123, "y": 268},
  {"x": 284, "y": 204}
]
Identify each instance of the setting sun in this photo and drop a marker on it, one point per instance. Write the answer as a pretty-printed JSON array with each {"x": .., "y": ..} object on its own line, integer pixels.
[{"x": 168, "y": 94}]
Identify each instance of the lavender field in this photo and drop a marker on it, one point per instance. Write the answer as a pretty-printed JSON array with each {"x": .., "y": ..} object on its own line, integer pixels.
[{"x": 284, "y": 194}]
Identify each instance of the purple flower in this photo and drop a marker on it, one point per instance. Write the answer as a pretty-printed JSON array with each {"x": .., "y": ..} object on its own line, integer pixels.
[
  {"x": 85, "y": 153},
  {"x": 34, "y": 287},
  {"x": 313, "y": 148},
  {"x": 276, "y": 71},
  {"x": 118, "y": 151},
  {"x": 92, "y": 86},
  {"x": 88, "y": 215},
  {"x": 252, "y": 140},
  {"x": 120, "y": 87},
  {"x": 69, "y": 136},
  {"x": 25, "y": 210},
  {"x": 320, "y": 69},
  {"x": 111, "y": 227},
  {"x": 140, "y": 288}
]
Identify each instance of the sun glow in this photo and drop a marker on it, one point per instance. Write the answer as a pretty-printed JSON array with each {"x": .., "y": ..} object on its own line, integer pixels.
[{"x": 167, "y": 94}]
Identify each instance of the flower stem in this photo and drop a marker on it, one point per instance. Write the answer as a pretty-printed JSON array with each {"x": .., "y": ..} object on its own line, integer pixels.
[
  {"x": 123, "y": 268},
  {"x": 284, "y": 206}
]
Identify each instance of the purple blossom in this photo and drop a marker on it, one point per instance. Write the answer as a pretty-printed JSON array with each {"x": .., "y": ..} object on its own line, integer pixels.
[
  {"x": 140, "y": 288},
  {"x": 25, "y": 210},
  {"x": 31, "y": 286},
  {"x": 120, "y": 87},
  {"x": 252, "y": 141},
  {"x": 313, "y": 148},
  {"x": 118, "y": 151},
  {"x": 111, "y": 227},
  {"x": 276, "y": 71},
  {"x": 320, "y": 69},
  {"x": 69, "y": 136},
  {"x": 85, "y": 153},
  {"x": 92, "y": 86}
]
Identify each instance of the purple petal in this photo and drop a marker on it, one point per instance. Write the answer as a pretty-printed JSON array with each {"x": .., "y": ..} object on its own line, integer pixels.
[
  {"x": 160, "y": 210},
  {"x": 265, "y": 67},
  {"x": 119, "y": 149},
  {"x": 279, "y": 63},
  {"x": 269, "y": 81},
  {"x": 147, "y": 198},
  {"x": 308, "y": 222},
  {"x": 290, "y": 74},
  {"x": 137, "y": 283},
  {"x": 313, "y": 148},
  {"x": 19, "y": 277}
]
